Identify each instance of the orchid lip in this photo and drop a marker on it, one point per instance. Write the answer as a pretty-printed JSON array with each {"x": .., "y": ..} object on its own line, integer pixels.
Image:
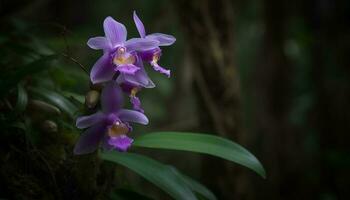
[
  {"x": 117, "y": 129},
  {"x": 121, "y": 142},
  {"x": 122, "y": 57},
  {"x": 123, "y": 60}
]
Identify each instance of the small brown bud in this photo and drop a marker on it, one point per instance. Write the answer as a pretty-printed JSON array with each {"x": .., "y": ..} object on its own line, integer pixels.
[
  {"x": 91, "y": 98},
  {"x": 37, "y": 105},
  {"x": 49, "y": 126}
]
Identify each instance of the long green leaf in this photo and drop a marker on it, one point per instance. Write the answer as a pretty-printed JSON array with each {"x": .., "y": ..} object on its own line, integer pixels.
[
  {"x": 125, "y": 194},
  {"x": 22, "y": 98},
  {"x": 196, "y": 186},
  {"x": 202, "y": 143},
  {"x": 56, "y": 99},
  {"x": 76, "y": 97},
  {"x": 159, "y": 174}
]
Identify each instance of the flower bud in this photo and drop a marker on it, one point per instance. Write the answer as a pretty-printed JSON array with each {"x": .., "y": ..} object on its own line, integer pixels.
[
  {"x": 43, "y": 107},
  {"x": 49, "y": 126},
  {"x": 91, "y": 98}
]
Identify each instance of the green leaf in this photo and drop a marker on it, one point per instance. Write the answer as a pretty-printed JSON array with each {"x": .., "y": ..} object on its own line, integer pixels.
[
  {"x": 196, "y": 186},
  {"x": 58, "y": 100},
  {"x": 202, "y": 143},
  {"x": 159, "y": 174},
  {"x": 22, "y": 98},
  {"x": 125, "y": 194},
  {"x": 19, "y": 125},
  {"x": 10, "y": 79},
  {"x": 76, "y": 97},
  {"x": 31, "y": 134}
]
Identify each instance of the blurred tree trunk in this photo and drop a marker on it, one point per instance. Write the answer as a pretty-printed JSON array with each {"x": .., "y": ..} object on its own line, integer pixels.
[
  {"x": 273, "y": 74},
  {"x": 328, "y": 22},
  {"x": 279, "y": 142},
  {"x": 293, "y": 171},
  {"x": 208, "y": 27}
]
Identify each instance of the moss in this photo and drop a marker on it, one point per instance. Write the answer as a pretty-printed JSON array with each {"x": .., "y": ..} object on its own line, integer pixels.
[{"x": 49, "y": 170}]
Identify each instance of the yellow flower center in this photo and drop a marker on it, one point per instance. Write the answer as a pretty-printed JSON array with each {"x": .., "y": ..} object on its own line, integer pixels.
[
  {"x": 123, "y": 58},
  {"x": 134, "y": 91},
  {"x": 118, "y": 129},
  {"x": 155, "y": 58}
]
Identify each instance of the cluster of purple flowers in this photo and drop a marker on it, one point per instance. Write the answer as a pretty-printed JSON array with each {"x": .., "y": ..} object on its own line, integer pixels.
[{"x": 120, "y": 70}]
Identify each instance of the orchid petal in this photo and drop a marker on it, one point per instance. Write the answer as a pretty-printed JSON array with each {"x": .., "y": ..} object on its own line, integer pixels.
[
  {"x": 140, "y": 44},
  {"x": 128, "y": 69},
  {"x": 160, "y": 69},
  {"x": 111, "y": 97},
  {"x": 99, "y": 43},
  {"x": 121, "y": 143},
  {"x": 139, "y": 79},
  {"x": 163, "y": 39},
  {"x": 89, "y": 120},
  {"x": 115, "y": 32},
  {"x": 103, "y": 70},
  {"x": 148, "y": 55},
  {"x": 90, "y": 139},
  {"x": 139, "y": 25},
  {"x": 132, "y": 116}
]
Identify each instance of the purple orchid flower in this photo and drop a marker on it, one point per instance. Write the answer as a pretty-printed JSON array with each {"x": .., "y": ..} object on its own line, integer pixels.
[
  {"x": 132, "y": 84},
  {"x": 109, "y": 126},
  {"x": 119, "y": 54},
  {"x": 153, "y": 55}
]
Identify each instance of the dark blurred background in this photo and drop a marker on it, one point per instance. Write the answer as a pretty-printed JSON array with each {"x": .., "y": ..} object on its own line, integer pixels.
[{"x": 272, "y": 75}]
